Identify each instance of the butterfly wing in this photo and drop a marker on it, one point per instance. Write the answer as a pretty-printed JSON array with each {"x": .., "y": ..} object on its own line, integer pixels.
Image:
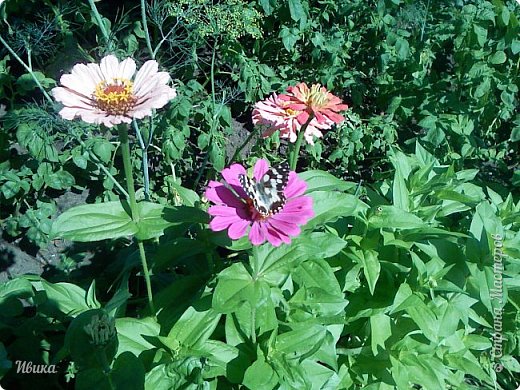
[{"x": 267, "y": 193}]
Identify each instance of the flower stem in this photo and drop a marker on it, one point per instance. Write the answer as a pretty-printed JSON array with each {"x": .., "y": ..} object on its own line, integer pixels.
[
  {"x": 27, "y": 68},
  {"x": 102, "y": 359},
  {"x": 213, "y": 119},
  {"x": 146, "y": 274},
  {"x": 144, "y": 148},
  {"x": 145, "y": 28},
  {"x": 297, "y": 146},
  {"x": 127, "y": 165},
  {"x": 296, "y": 150},
  {"x": 99, "y": 21}
]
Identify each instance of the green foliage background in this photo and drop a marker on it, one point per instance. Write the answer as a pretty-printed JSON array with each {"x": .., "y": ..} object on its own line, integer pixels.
[{"x": 390, "y": 285}]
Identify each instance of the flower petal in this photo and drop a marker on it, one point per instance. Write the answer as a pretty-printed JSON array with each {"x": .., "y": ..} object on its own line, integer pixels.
[
  {"x": 260, "y": 169},
  {"x": 144, "y": 74},
  {"x": 238, "y": 229},
  {"x": 257, "y": 234},
  {"x": 219, "y": 194},
  {"x": 288, "y": 228},
  {"x": 295, "y": 186},
  {"x": 109, "y": 67},
  {"x": 231, "y": 174},
  {"x": 126, "y": 69},
  {"x": 221, "y": 223}
]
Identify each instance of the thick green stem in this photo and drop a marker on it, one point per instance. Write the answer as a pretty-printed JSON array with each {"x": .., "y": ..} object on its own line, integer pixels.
[
  {"x": 144, "y": 148},
  {"x": 27, "y": 68},
  {"x": 127, "y": 165},
  {"x": 145, "y": 28},
  {"x": 146, "y": 274},
  {"x": 298, "y": 144},
  {"x": 296, "y": 150},
  {"x": 214, "y": 117},
  {"x": 99, "y": 21}
]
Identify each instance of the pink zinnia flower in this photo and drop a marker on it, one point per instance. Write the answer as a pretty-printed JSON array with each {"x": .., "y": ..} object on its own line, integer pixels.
[
  {"x": 235, "y": 212},
  {"x": 109, "y": 94},
  {"x": 274, "y": 114},
  {"x": 316, "y": 101}
]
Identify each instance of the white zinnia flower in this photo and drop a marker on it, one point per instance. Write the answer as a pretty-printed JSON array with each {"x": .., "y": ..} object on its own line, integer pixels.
[
  {"x": 2, "y": 106},
  {"x": 106, "y": 93}
]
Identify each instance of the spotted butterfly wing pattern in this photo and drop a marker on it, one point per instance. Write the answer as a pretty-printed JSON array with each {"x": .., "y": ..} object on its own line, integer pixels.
[{"x": 267, "y": 194}]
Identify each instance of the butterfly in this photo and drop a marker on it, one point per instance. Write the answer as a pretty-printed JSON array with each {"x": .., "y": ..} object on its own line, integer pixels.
[{"x": 267, "y": 193}]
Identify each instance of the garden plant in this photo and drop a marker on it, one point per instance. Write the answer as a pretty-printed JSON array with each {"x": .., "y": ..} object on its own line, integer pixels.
[{"x": 264, "y": 194}]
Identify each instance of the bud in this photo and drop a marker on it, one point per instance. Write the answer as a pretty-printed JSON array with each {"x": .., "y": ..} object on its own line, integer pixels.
[{"x": 101, "y": 329}]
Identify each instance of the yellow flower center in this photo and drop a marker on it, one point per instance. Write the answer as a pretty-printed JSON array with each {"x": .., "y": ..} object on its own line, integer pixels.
[
  {"x": 116, "y": 97},
  {"x": 291, "y": 112},
  {"x": 316, "y": 97}
]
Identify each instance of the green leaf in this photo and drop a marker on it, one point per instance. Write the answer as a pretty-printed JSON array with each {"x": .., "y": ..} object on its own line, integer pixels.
[
  {"x": 400, "y": 191},
  {"x": 235, "y": 286},
  {"x": 266, "y": 6},
  {"x": 273, "y": 264},
  {"x": 301, "y": 343},
  {"x": 403, "y": 48},
  {"x": 188, "y": 197},
  {"x": 217, "y": 156},
  {"x": 90, "y": 298},
  {"x": 194, "y": 327},
  {"x": 468, "y": 366},
  {"x": 323, "y": 181},
  {"x": 131, "y": 333},
  {"x": 94, "y": 222},
  {"x": 184, "y": 373},
  {"x": 155, "y": 218},
  {"x": 67, "y": 298},
  {"x": 329, "y": 206},
  {"x": 320, "y": 245},
  {"x": 128, "y": 372},
  {"x": 319, "y": 302},
  {"x": 110, "y": 220},
  {"x": 16, "y": 288},
  {"x": 371, "y": 267},
  {"x": 289, "y": 38},
  {"x": 60, "y": 180},
  {"x": 498, "y": 58},
  {"x": 515, "y": 46},
  {"x": 481, "y": 34},
  {"x": 510, "y": 363},
  {"x": 296, "y": 10},
  {"x": 103, "y": 149},
  {"x": 26, "y": 82},
  {"x": 380, "y": 330},
  {"x": 505, "y": 15},
  {"x": 392, "y": 217},
  {"x": 260, "y": 375},
  {"x": 317, "y": 273}
]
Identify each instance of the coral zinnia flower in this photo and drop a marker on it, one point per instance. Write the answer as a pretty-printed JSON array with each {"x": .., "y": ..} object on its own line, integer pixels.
[
  {"x": 234, "y": 210},
  {"x": 315, "y": 100},
  {"x": 275, "y": 114},
  {"x": 105, "y": 93}
]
